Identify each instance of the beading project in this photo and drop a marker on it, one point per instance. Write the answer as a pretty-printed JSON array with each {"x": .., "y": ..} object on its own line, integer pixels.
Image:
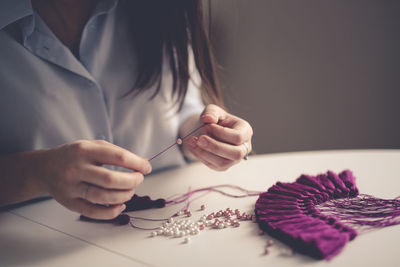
[{"x": 315, "y": 215}]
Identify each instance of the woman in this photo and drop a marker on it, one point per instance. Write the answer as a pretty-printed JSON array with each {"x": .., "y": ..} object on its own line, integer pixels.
[{"x": 88, "y": 83}]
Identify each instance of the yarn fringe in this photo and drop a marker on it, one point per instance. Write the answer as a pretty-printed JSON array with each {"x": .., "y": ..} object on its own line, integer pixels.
[
  {"x": 319, "y": 215},
  {"x": 364, "y": 212}
]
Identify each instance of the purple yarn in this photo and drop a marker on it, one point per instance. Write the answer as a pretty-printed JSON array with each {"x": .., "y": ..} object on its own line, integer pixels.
[{"x": 317, "y": 215}]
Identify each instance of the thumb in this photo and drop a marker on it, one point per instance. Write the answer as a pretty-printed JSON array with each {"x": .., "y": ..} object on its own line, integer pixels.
[{"x": 212, "y": 114}]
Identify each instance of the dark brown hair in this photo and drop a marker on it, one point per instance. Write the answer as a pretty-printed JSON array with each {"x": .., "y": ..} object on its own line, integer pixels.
[{"x": 168, "y": 28}]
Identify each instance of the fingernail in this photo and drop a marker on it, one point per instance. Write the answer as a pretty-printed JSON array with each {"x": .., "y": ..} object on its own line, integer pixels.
[
  {"x": 203, "y": 142},
  {"x": 149, "y": 169},
  {"x": 208, "y": 116},
  {"x": 123, "y": 207}
]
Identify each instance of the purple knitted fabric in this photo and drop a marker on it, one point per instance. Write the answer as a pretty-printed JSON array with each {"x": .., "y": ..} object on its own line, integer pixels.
[{"x": 287, "y": 211}]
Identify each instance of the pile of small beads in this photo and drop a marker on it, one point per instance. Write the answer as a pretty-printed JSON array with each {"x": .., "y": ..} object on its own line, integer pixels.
[{"x": 177, "y": 226}]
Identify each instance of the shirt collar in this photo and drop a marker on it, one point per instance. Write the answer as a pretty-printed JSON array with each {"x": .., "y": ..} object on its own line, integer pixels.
[{"x": 13, "y": 10}]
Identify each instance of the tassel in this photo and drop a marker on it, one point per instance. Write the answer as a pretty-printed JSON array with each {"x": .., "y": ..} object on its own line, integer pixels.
[{"x": 317, "y": 216}]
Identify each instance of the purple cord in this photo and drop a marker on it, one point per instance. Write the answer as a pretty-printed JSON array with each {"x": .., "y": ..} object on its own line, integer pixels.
[
  {"x": 188, "y": 195},
  {"x": 146, "y": 202}
]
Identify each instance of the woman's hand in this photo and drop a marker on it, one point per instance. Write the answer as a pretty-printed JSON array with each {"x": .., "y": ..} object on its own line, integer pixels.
[
  {"x": 74, "y": 176},
  {"x": 225, "y": 141}
]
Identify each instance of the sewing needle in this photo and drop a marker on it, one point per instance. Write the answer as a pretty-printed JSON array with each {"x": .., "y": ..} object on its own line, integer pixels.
[{"x": 177, "y": 142}]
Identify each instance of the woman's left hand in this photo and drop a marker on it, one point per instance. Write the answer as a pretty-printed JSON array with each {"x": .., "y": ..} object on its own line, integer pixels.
[{"x": 225, "y": 141}]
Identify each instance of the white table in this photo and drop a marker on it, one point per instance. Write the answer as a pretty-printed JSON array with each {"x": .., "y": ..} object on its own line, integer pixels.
[{"x": 46, "y": 234}]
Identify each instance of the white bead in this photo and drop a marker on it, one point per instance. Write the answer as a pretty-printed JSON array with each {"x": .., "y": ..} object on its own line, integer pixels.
[
  {"x": 170, "y": 220},
  {"x": 186, "y": 240},
  {"x": 221, "y": 225},
  {"x": 152, "y": 234}
]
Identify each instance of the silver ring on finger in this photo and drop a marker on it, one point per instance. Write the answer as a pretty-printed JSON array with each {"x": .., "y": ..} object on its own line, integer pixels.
[
  {"x": 85, "y": 190},
  {"x": 246, "y": 157}
]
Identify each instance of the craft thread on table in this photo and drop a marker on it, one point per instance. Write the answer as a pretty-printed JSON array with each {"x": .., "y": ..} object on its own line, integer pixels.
[
  {"x": 179, "y": 223},
  {"x": 315, "y": 215}
]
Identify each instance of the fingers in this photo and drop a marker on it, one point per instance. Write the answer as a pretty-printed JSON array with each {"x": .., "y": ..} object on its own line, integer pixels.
[
  {"x": 102, "y": 152},
  {"x": 99, "y": 195},
  {"x": 224, "y": 126},
  {"x": 235, "y": 136},
  {"x": 210, "y": 159},
  {"x": 117, "y": 156},
  {"x": 224, "y": 150},
  {"x": 226, "y": 139},
  {"x": 111, "y": 179},
  {"x": 213, "y": 114},
  {"x": 74, "y": 166},
  {"x": 99, "y": 212}
]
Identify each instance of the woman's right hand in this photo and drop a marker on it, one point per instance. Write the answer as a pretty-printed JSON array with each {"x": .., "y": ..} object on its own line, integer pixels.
[{"x": 73, "y": 174}]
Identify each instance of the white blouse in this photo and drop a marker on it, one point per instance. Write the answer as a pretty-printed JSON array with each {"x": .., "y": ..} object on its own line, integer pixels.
[{"x": 49, "y": 97}]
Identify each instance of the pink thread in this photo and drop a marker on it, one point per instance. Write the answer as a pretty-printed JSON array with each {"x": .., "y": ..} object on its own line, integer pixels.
[
  {"x": 188, "y": 195},
  {"x": 139, "y": 203}
]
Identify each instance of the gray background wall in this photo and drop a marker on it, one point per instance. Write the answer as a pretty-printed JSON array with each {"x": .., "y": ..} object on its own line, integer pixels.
[{"x": 311, "y": 74}]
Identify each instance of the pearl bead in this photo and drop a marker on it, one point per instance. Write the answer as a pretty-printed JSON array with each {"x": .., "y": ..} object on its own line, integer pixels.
[{"x": 186, "y": 240}]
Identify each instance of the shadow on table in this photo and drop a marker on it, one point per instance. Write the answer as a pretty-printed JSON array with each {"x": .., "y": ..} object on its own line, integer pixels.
[{"x": 24, "y": 203}]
